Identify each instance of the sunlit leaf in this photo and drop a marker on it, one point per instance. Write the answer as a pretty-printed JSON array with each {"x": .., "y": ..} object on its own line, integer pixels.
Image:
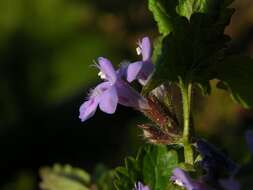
[
  {"x": 164, "y": 14},
  {"x": 64, "y": 178}
]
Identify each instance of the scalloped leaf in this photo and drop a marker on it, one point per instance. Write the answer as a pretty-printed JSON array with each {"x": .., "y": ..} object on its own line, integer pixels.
[
  {"x": 127, "y": 176},
  {"x": 164, "y": 12},
  {"x": 187, "y": 8},
  {"x": 64, "y": 178},
  {"x": 103, "y": 177},
  {"x": 153, "y": 167},
  {"x": 192, "y": 50},
  {"x": 157, "y": 166}
]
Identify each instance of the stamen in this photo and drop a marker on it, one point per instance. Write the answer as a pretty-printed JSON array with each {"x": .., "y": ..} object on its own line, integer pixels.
[
  {"x": 179, "y": 183},
  {"x": 138, "y": 50},
  {"x": 102, "y": 75},
  {"x": 95, "y": 64}
]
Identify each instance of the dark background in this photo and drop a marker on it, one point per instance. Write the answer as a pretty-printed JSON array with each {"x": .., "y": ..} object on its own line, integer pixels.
[{"x": 46, "y": 49}]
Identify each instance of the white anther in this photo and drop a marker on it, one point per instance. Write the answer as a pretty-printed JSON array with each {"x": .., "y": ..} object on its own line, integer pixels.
[
  {"x": 138, "y": 50},
  {"x": 102, "y": 75},
  {"x": 179, "y": 183}
]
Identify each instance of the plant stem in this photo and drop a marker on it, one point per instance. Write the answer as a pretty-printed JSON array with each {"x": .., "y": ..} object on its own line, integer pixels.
[{"x": 186, "y": 102}]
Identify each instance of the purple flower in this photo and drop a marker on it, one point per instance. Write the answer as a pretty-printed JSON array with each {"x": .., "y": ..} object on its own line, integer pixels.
[
  {"x": 140, "y": 186},
  {"x": 249, "y": 139},
  {"x": 181, "y": 178},
  {"x": 214, "y": 161},
  {"x": 111, "y": 92},
  {"x": 141, "y": 70}
]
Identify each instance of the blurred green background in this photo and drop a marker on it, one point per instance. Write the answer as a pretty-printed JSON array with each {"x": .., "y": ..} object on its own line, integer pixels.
[{"x": 47, "y": 48}]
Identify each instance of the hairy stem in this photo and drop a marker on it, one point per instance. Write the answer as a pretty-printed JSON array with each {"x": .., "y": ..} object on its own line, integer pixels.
[{"x": 186, "y": 102}]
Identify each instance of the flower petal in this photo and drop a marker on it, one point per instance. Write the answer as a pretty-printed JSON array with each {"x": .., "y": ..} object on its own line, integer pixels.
[
  {"x": 145, "y": 72},
  {"x": 107, "y": 69},
  {"x": 100, "y": 89},
  {"x": 214, "y": 161},
  {"x": 140, "y": 186},
  {"x": 88, "y": 109},
  {"x": 145, "y": 49},
  {"x": 129, "y": 97},
  {"x": 133, "y": 70},
  {"x": 109, "y": 100},
  {"x": 181, "y": 178},
  {"x": 122, "y": 71}
]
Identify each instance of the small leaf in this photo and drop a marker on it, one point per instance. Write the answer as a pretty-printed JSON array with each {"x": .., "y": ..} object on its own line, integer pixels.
[
  {"x": 153, "y": 167},
  {"x": 103, "y": 178},
  {"x": 164, "y": 12},
  {"x": 186, "y": 167},
  {"x": 126, "y": 177},
  {"x": 157, "y": 49},
  {"x": 214, "y": 8},
  {"x": 64, "y": 178},
  {"x": 158, "y": 164},
  {"x": 187, "y": 8}
]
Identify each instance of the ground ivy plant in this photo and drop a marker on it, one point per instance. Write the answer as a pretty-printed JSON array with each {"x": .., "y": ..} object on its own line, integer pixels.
[{"x": 191, "y": 50}]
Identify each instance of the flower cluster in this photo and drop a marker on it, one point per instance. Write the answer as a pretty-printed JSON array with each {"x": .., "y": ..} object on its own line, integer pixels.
[{"x": 116, "y": 88}]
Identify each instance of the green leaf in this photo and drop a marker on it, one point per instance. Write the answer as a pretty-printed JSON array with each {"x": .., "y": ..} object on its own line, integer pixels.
[
  {"x": 64, "y": 178},
  {"x": 192, "y": 50},
  {"x": 158, "y": 164},
  {"x": 157, "y": 49},
  {"x": 186, "y": 167},
  {"x": 235, "y": 72},
  {"x": 153, "y": 167},
  {"x": 126, "y": 177},
  {"x": 103, "y": 178},
  {"x": 164, "y": 12},
  {"x": 188, "y": 7}
]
